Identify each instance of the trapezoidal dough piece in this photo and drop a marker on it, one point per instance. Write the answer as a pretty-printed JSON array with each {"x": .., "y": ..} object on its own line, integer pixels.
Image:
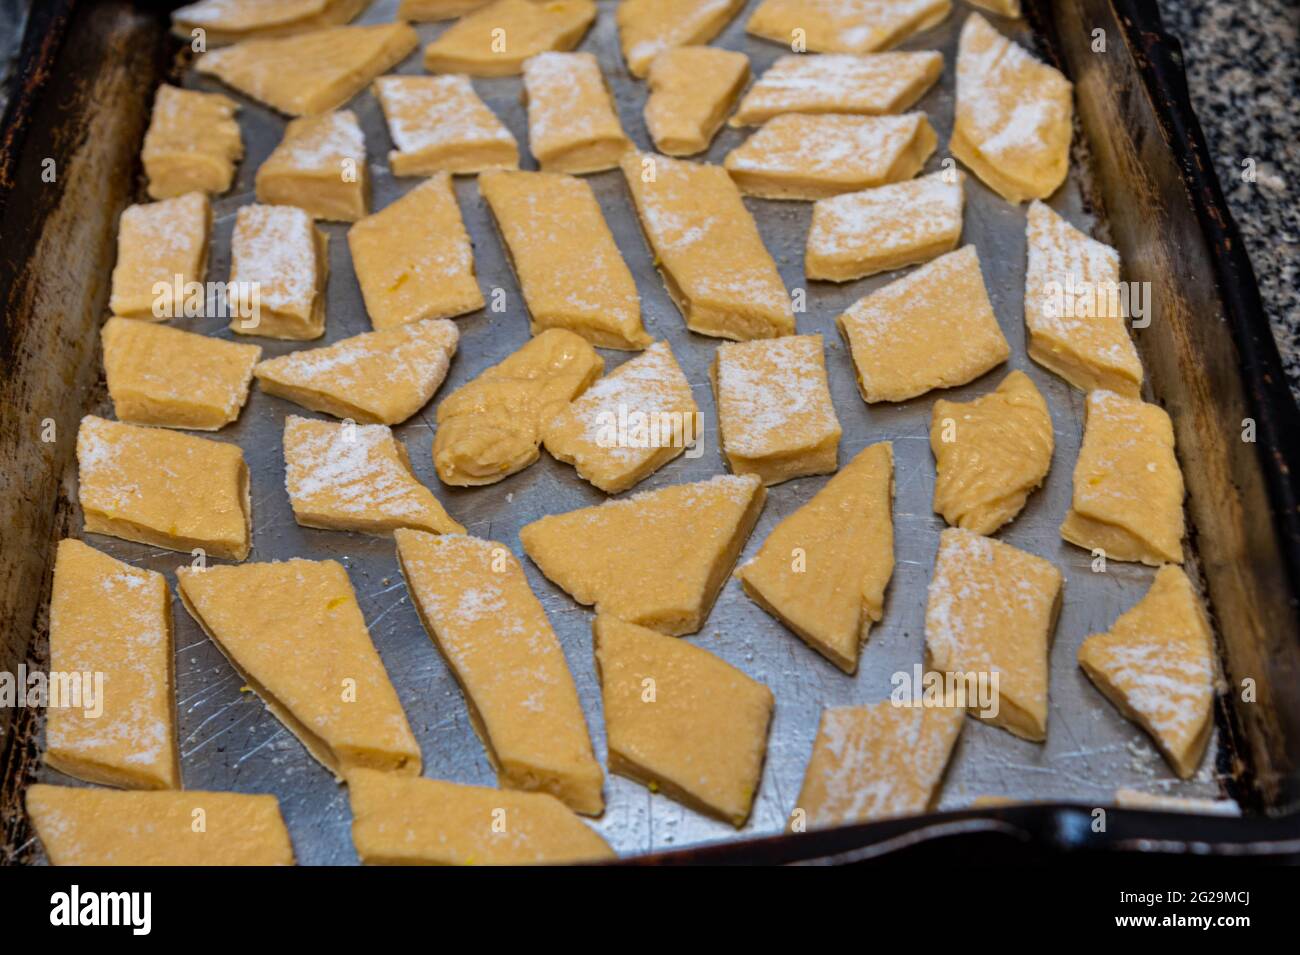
[
  {"x": 648, "y": 28},
  {"x": 294, "y": 632},
  {"x": 397, "y": 820},
  {"x": 845, "y": 26},
  {"x": 824, "y": 569},
  {"x": 279, "y": 256},
  {"x": 495, "y": 40},
  {"x": 229, "y": 21},
  {"x": 160, "y": 487},
  {"x": 192, "y": 144},
  {"x": 112, "y": 619},
  {"x": 658, "y": 558},
  {"x": 1156, "y": 664},
  {"x": 160, "y": 242},
  {"x": 106, "y": 827},
  {"x": 692, "y": 89},
  {"x": 439, "y": 124},
  {"x": 478, "y": 609},
  {"x": 680, "y": 720},
  {"x": 572, "y": 124},
  {"x": 319, "y": 166}
]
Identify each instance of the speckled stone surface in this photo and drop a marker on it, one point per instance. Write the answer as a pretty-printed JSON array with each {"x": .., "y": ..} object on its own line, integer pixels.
[{"x": 1243, "y": 72}]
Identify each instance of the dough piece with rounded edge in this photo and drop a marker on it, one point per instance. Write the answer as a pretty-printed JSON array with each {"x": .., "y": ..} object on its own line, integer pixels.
[
  {"x": 294, "y": 632},
  {"x": 491, "y": 427},
  {"x": 992, "y": 609},
  {"x": 700, "y": 737},
  {"x": 1128, "y": 488},
  {"x": 379, "y": 377},
  {"x": 173, "y": 379},
  {"x": 319, "y": 166},
  {"x": 192, "y": 144},
  {"x": 356, "y": 477},
  {"x": 495, "y": 40},
  {"x": 810, "y": 157},
  {"x": 565, "y": 258},
  {"x": 845, "y": 26},
  {"x": 310, "y": 72},
  {"x": 278, "y": 270},
  {"x": 1161, "y": 802},
  {"x": 439, "y": 124},
  {"x": 106, "y": 827},
  {"x": 1014, "y": 115},
  {"x": 160, "y": 242},
  {"x": 114, "y": 620},
  {"x": 692, "y": 88},
  {"x": 824, "y": 569},
  {"x": 1073, "y": 312},
  {"x": 990, "y": 454},
  {"x": 877, "y": 762},
  {"x": 229, "y": 21},
  {"x": 572, "y": 124},
  {"x": 427, "y": 11},
  {"x": 658, "y": 558},
  {"x": 628, "y": 424},
  {"x": 868, "y": 85},
  {"x": 160, "y": 487},
  {"x": 1156, "y": 664},
  {"x": 775, "y": 417},
  {"x": 397, "y": 820},
  {"x": 878, "y": 230},
  {"x": 707, "y": 247},
  {"x": 413, "y": 258},
  {"x": 478, "y": 609},
  {"x": 648, "y": 28}
]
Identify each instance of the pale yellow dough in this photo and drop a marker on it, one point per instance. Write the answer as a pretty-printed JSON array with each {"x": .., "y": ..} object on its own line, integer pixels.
[
  {"x": 192, "y": 144},
  {"x": 845, "y": 26},
  {"x": 160, "y": 244},
  {"x": 432, "y": 10},
  {"x": 648, "y": 28},
  {"x": 1003, "y": 8},
  {"x": 572, "y": 124},
  {"x": 229, "y": 21},
  {"x": 692, "y": 88},
  {"x": 495, "y": 40},
  {"x": 439, "y": 124},
  {"x": 319, "y": 166},
  {"x": 278, "y": 253}
]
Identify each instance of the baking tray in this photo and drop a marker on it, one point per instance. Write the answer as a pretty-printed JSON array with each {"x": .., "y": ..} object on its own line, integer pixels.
[{"x": 1138, "y": 180}]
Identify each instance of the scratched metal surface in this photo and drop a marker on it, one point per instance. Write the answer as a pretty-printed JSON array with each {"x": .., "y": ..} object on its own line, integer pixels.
[{"x": 230, "y": 741}]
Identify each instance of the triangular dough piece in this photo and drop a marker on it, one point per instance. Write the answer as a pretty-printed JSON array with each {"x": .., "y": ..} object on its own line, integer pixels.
[
  {"x": 311, "y": 72},
  {"x": 474, "y": 44},
  {"x": 680, "y": 720},
  {"x": 229, "y": 21},
  {"x": 294, "y": 632},
  {"x": 692, "y": 89},
  {"x": 845, "y": 26},
  {"x": 1156, "y": 664},
  {"x": 647, "y": 28},
  {"x": 380, "y": 377},
  {"x": 401, "y": 821},
  {"x": 1014, "y": 115},
  {"x": 823, "y": 570},
  {"x": 657, "y": 558}
]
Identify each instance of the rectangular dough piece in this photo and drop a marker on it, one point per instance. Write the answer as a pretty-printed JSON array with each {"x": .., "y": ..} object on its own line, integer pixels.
[
  {"x": 845, "y": 26},
  {"x": 438, "y": 123},
  {"x": 319, "y": 166},
  {"x": 572, "y": 123},
  {"x": 648, "y": 28},
  {"x": 278, "y": 253},
  {"x": 495, "y": 40},
  {"x": 707, "y": 247},
  {"x": 192, "y": 144},
  {"x": 692, "y": 88},
  {"x": 160, "y": 243},
  {"x": 229, "y": 21}
]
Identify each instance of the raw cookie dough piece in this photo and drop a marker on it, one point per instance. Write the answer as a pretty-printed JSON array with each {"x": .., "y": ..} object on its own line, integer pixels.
[
  {"x": 1128, "y": 488},
  {"x": 647, "y": 28},
  {"x": 496, "y": 40},
  {"x": 319, "y": 166},
  {"x": 414, "y": 260},
  {"x": 707, "y": 247},
  {"x": 628, "y": 424},
  {"x": 104, "y": 827},
  {"x": 992, "y": 609},
  {"x": 1005, "y": 8},
  {"x": 566, "y": 261},
  {"x": 845, "y": 26},
  {"x": 476, "y": 604},
  {"x": 438, "y": 123},
  {"x": 492, "y": 427},
  {"x": 115, "y": 620},
  {"x": 356, "y": 477},
  {"x": 1014, "y": 115},
  {"x": 294, "y": 632},
  {"x": 990, "y": 453},
  {"x": 866, "y": 85},
  {"x": 1156, "y": 664},
  {"x": 192, "y": 144},
  {"x": 1159, "y": 802},
  {"x": 229, "y": 21},
  {"x": 401, "y": 821},
  {"x": 1075, "y": 319},
  {"x": 877, "y": 762},
  {"x": 823, "y": 570},
  {"x": 572, "y": 125},
  {"x": 810, "y": 157},
  {"x": 160, "y": 242},
  {"x": 311, "y": 72},
  {"x": 933, "y": 328},
  {"x": 692, "y": 88},
  {"x": 775, "y": 417},
  {"x": 278, "y": 254},
  {"x": 174, "y": 379},
  {"x": 379, "y": 377},
  {"x": 657, "y": 558},
  {"x": 163, "y": 488},
  {"x": 701, "y": 738},
  {"x": 425, "y": 11},
  {"x": 879, "y": 230}
]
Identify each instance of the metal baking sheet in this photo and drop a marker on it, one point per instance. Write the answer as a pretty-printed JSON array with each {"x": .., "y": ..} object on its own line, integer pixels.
[{"x": 230, "y": 741}]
